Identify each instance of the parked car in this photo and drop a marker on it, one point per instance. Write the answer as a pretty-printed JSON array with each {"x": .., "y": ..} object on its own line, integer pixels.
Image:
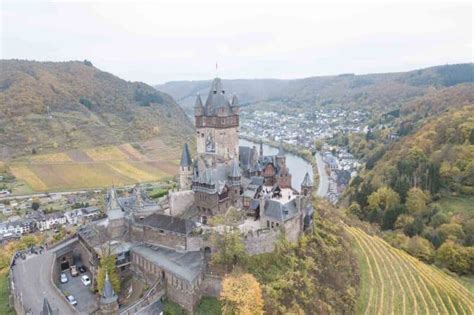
[
  {"x": 82, "y": 269},
  {"x": 85, "y": 279},
  {"x": 72, "y": 300},
  {"x": 74, "y": 272},
  {"x": 63, "y": 278}
]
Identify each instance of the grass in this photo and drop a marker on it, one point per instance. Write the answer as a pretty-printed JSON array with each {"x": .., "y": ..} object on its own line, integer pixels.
[
  {"x": 4, "y": 294},
  {"x": 393, "y": 282},
  {"x": 207, "y": 306},
  {"x": 460, "y": 204}
]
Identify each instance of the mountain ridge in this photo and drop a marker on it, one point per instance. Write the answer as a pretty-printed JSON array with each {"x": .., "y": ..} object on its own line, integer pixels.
[{"x": 55, "y": 106}]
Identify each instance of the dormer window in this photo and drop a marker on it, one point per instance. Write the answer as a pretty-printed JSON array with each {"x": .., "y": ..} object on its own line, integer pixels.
[{"x": 215, "y": 91}]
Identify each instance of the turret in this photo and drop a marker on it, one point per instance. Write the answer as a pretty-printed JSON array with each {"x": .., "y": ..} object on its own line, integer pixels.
[
  {"x": 198, "y": 107},
  {"x": 307, "y": 185},
  {"x": 235, "y": 175},
  {"x": 108, "y": 299},
  {"x": 235, "y": 105},
  {"x": 185, "y": 169}
]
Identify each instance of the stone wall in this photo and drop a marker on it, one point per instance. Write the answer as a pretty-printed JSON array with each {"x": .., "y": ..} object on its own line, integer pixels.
[
  {"x": 262, "y": 241},
  {"x": 164, "y": 238},
  {"x": 180, "y": 201},
  {"x": 211, "y": 286}
]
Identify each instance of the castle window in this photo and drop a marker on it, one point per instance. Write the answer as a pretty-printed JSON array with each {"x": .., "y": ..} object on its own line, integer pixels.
[
  {"x": 268, "y": 223},
  {"x": 162, "y": 232}
]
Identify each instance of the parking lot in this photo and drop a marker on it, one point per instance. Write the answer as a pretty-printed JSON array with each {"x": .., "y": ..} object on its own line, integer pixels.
[{"x": 86, "y": 300}]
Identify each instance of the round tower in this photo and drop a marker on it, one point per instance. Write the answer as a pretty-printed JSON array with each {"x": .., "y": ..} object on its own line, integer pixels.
[{"x": 185, "y": 169}]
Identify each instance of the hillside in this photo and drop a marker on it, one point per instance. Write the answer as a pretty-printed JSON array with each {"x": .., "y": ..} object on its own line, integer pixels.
[
  {"x": 393, "y": 282},
  {"x": 57, "y": 106},
  {"x": 374, "y": 91}
]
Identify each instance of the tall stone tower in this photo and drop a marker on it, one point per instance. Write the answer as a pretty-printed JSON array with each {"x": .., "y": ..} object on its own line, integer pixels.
[
  {"x": 217, "y": 123},
  {"x": 108, "y": 303},
  {"x": 185, "y": 169}
]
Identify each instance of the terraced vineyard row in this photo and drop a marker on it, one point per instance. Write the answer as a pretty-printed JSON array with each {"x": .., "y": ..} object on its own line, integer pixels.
[
  {"x": 97, "y": 167},
  {"x": 393, "y": 282}
]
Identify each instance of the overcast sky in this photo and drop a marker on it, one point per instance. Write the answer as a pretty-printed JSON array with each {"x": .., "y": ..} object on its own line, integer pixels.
[{"x": 156, "y": 41}]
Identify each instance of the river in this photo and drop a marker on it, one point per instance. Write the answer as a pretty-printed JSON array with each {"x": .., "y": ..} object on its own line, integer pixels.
[{"x": 297, "y": 165}]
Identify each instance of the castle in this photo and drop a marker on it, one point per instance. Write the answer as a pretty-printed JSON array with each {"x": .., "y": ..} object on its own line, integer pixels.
[{"x": 167, "y": 244}]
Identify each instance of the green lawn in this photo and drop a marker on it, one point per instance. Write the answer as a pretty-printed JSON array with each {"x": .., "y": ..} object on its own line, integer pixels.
[
  {"x": 462, "y": 204},
  {"x": 207, "y": 306},
  {"x": 4, "y": 308}
]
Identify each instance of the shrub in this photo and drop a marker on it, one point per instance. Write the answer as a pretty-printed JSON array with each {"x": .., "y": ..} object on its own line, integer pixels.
[
  {"x": 421, "y": 248},
  {"x": 454, "y": 257}
]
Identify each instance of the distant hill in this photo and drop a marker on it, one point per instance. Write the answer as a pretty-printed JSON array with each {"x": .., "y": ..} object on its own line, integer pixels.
[
  {"x": 57, "y": 106},
  {"x": 375, "y": 91}
]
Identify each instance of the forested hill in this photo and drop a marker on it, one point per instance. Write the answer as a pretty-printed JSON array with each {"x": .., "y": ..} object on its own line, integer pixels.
[
  {"x": 55, "y": 106},
  {"x": 375, "y": 91}
]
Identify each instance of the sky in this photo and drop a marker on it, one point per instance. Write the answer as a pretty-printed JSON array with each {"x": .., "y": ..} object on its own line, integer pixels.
[{"x": 159, "y": 41}]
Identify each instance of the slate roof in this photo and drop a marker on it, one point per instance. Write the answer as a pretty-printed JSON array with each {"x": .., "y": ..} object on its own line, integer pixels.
[
  {"x": 186, "y": 265},
  {"x": 169, "y": 223},
  {"x": 279, "y": 211},
  {"x": 235, "y": 169},
  {"x": 108, "y": 295},
  {"x": 198, "y": 102},
  {"x": 307, "y": 181},
  {"x": 216, "y": 99},
  {"x": 186, "y": 160}
]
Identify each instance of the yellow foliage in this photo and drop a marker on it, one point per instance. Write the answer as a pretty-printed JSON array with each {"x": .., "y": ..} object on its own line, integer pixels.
[{"x": 242, "y": 295}]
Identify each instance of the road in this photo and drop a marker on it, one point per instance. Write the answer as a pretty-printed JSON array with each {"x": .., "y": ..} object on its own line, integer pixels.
[
  {"x": 323, "y": 176},
  {"x": 32, "y": 278}
]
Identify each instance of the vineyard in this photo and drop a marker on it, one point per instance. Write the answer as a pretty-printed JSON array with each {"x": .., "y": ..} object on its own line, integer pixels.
[
  {"x": 393, "y": 282},
  {"x": 97, "y": 167}
]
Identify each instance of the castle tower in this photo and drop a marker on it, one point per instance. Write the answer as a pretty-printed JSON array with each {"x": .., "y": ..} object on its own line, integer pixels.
[
  {"x": 217, "y": 123},
  {"x": 185, "y": 169},
  {"x": 307, "y": 185},
  {"x": 108, "y": 303}
]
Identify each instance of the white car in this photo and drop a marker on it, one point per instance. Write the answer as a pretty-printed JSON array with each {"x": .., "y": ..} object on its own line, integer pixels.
[
  {"x": 63, "y": 278},
  {"x": 85, "y": 279},
  {"x": 71, "y": 300}
]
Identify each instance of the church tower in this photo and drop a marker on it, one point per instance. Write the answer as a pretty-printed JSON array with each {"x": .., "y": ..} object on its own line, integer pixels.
[
  {"x": 185, "y": 169},
  {"x": 217, "y": 123}
]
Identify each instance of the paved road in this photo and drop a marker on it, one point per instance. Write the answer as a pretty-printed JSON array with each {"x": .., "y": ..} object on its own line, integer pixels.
[
  {"x": 32, "y": 277},
  {"x": 323, "y": 177}
]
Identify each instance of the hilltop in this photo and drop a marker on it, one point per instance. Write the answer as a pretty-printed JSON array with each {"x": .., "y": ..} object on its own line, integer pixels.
[
  {"x": 377, "y": 92},
  {"x": 58, "y": 106}
]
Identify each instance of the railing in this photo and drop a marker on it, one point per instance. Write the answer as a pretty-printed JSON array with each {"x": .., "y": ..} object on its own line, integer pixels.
[{"x": 150, "y": 297}]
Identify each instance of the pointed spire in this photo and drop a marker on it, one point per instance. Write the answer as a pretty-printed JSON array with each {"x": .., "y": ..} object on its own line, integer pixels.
[
  {"x": 186, "y": 157},
  {"x": 307, "y": 182},
  {"x": 112, "y": 202},
  {"x": 108, "y": 294},
  {"x": 235, "y": 100},
  {"x": 261, "y": 147},
  {"x": 235, "y": 169},
  {"x": 281, "y": 152},
  {"x": 198, "y": 102},
  {"x": 47, "y": 310}
]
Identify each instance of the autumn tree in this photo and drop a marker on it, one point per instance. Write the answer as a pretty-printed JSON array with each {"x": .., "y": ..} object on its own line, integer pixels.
[
  {"x": 107, "y": 265},
  {"x": 230, "y": 249},
  {"x": 384, "y": 198},
  {"x": 454, "y": 257},
  {"x": 241, "y": 294},
  {"x": 417, "y": 201}
]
